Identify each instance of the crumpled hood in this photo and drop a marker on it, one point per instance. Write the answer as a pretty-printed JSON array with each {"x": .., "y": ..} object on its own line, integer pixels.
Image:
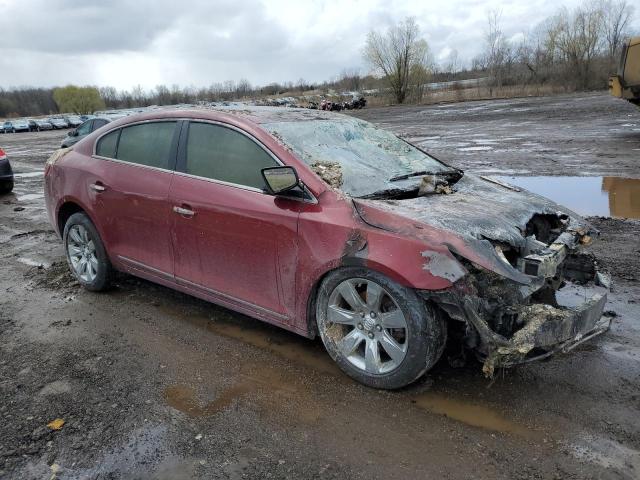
[
  {"x": 466, "y": 221},
  {"x": 480, "y": 209}
]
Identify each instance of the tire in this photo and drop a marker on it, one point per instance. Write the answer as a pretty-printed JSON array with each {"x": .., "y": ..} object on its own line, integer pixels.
[
  {"x": 360, "y": 342},
  {"x": 86, "y": 255},
  {"x": 6, "y": 186}
]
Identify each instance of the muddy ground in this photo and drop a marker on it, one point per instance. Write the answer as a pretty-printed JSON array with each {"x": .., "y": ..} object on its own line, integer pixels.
[{"x": 152, "y": 383}]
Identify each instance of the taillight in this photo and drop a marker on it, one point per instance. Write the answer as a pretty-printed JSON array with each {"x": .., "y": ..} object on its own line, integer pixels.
[{"x": 2, "y": 154}]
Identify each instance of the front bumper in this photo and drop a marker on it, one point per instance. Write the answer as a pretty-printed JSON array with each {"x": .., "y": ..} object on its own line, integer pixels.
[{"x": 547, "y": 330}]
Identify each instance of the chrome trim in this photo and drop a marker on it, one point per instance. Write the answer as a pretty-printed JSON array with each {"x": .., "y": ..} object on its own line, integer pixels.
[
  {"x": 221, "y": 182},
  {"x": 158, "y": 169},
  {"x": 232, "y": 298},
  {"x": 97, "y": 188},
  {"x": 145, "y": 267}
]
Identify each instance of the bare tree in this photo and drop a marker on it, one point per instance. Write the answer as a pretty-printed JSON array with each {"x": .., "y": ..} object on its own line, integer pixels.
[
  {"x": 615, "y": 20},
  {"x": 577, "y": 38},
  {"x": 498, "y": 54},
  {"x": 396, "y": 54}
]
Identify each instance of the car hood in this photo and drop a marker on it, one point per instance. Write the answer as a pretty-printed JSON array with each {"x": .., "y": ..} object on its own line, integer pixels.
[{"x": 471, "y": 220}]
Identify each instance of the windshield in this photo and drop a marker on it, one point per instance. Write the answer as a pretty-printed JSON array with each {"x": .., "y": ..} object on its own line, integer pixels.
[{"x": 367, "y": 157}]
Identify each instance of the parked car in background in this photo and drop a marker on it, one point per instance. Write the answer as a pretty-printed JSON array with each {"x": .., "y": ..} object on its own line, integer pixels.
[
  {"x": 43, "y": 125},
  {"x": 84, "y": 118},
  {"x": 83, "y": 130},
  {"x": 33, "y": 127},
  {"x": 73, "y": 120},
  {"x": 6, "y": 174},
  {"x": 7, "y": 127},
  {"x": 58, "y": 123},
  {"x": 326, "y": 225},
  {"x": 20, "y": 126}
]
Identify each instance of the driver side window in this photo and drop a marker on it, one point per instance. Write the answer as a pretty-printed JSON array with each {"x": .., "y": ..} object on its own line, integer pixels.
[{"x": 221, "y": 153}]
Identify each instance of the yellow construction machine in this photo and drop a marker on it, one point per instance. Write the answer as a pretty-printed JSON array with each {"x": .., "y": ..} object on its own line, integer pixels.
[{"x": 626, "y": 84}]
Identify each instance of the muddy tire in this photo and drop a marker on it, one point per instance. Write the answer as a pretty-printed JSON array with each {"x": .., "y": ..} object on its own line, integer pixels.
[
  {"x": 85, "y": 252},
  {"x": 377, "y": 331}
]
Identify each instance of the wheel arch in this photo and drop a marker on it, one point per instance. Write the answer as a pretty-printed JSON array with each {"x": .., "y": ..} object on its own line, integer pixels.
[{"x": 347, "y": 262}]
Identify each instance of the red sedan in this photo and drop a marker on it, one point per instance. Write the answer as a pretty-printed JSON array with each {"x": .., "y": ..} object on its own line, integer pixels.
[{"x": 324, "y": 224}]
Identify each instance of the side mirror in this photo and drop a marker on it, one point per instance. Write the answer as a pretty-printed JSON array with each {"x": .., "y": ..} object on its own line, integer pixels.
[{"x": 280, "y": 179}]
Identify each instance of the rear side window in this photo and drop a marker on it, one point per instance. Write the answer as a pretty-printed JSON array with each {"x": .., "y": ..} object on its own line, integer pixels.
[
  {"x": 147, "y": 144},
  {"x": 107, "y": 145},
  {"x": 221, "y": 153}
]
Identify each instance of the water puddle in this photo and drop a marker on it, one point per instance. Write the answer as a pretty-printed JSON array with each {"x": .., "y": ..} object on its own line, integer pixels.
[
  {"x": 599, "y": 196},
  {"x": 470, "y": 414},
  {"x": 185, "y": 399}
]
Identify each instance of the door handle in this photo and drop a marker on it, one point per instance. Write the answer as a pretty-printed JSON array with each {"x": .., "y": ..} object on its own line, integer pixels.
[
  {"x": 185, "y": 212},
  {"x": 97, "y": 187}
]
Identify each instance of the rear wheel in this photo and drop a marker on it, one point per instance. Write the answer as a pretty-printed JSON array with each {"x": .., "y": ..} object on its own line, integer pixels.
[
  {"x": 377, "y": 331},
  {"x": 86, "y": 254}
]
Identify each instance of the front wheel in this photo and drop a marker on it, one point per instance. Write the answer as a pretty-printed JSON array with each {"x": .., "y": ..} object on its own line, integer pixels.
[
  {"x": 86, "y": 254},
  {"x": 378, "y": 332}
]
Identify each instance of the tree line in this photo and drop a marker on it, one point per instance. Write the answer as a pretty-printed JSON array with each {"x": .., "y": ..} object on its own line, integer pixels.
[{"x": 576, "y": 49}]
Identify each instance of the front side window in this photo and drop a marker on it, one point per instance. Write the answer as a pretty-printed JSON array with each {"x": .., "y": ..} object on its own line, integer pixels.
[
  {"x": 85, "y": 128},
  {"x": 147, "y": 144},
  {"x": 224, "y": 154},
  {"x": 107, "y": 145}
]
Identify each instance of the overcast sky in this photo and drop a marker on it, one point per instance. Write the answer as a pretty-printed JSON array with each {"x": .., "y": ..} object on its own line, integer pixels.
[{"x": 195, "y": 43}]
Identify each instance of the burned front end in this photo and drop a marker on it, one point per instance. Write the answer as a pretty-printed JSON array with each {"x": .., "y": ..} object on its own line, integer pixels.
[
  {"x": 523, "y": 267},
  {"x": 534, "y": 313}
]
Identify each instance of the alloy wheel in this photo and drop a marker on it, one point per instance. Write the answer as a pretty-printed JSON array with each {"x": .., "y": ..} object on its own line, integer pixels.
[
  {"x": 367, "y": 326},
  {"x": 82, "y": 253}
]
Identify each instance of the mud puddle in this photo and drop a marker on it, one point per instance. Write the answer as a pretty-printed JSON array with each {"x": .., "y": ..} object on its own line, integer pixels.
[
  {"x": 471, "y": 414},
  {"x": 589, "y": 196},
  {"x": 286, "y": 345}
]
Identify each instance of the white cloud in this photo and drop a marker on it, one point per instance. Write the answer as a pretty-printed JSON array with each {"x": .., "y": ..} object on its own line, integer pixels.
[{"x": 123, "y": 43}]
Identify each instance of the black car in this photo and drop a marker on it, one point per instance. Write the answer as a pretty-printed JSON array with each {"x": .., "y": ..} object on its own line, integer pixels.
[
  {"x": 6, "y": 174},
  {"x": 83, "y": 130}
]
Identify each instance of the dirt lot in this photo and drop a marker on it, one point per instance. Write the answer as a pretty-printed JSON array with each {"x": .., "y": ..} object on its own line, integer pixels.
[{"x": 155, "y": 384}]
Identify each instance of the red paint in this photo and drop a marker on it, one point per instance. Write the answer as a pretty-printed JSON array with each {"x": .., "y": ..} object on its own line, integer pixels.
[{"x": 249, "y": 251}]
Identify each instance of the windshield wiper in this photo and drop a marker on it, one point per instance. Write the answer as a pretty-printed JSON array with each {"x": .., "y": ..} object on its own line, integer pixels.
[
  {"x": 409, "y": 175},
  {"x": 451, "y": 177}
]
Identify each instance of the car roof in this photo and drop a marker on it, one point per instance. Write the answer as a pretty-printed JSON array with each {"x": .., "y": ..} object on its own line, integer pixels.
[{"x": 250, "y": 114}]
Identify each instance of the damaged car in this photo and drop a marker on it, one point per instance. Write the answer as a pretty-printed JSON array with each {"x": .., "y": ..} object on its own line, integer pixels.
[{"x": 327, "y": 226}]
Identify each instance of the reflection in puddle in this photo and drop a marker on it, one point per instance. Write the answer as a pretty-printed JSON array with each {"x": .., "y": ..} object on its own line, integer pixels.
[
  {"x": 602, "y": 196},
  {"x": 469, "y": 413}
]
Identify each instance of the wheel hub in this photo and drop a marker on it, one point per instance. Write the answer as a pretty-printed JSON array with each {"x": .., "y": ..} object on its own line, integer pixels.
[{"x": 369, "y": 323}]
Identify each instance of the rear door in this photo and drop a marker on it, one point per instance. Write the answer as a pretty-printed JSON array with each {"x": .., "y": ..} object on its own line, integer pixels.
[
  {"x": 230, "y": 238},
  {"x": 132, "y": 194}
]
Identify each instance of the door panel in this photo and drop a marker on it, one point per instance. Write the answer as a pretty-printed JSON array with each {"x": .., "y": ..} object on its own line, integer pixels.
[
  {"x": 239, "y": 242},
  {"x": 135, "y": 213},
  {"x": 132, "y": 193}
]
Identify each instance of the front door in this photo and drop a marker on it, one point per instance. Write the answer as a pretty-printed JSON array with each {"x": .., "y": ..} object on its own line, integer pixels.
[{"x": 229, "y": 236}]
